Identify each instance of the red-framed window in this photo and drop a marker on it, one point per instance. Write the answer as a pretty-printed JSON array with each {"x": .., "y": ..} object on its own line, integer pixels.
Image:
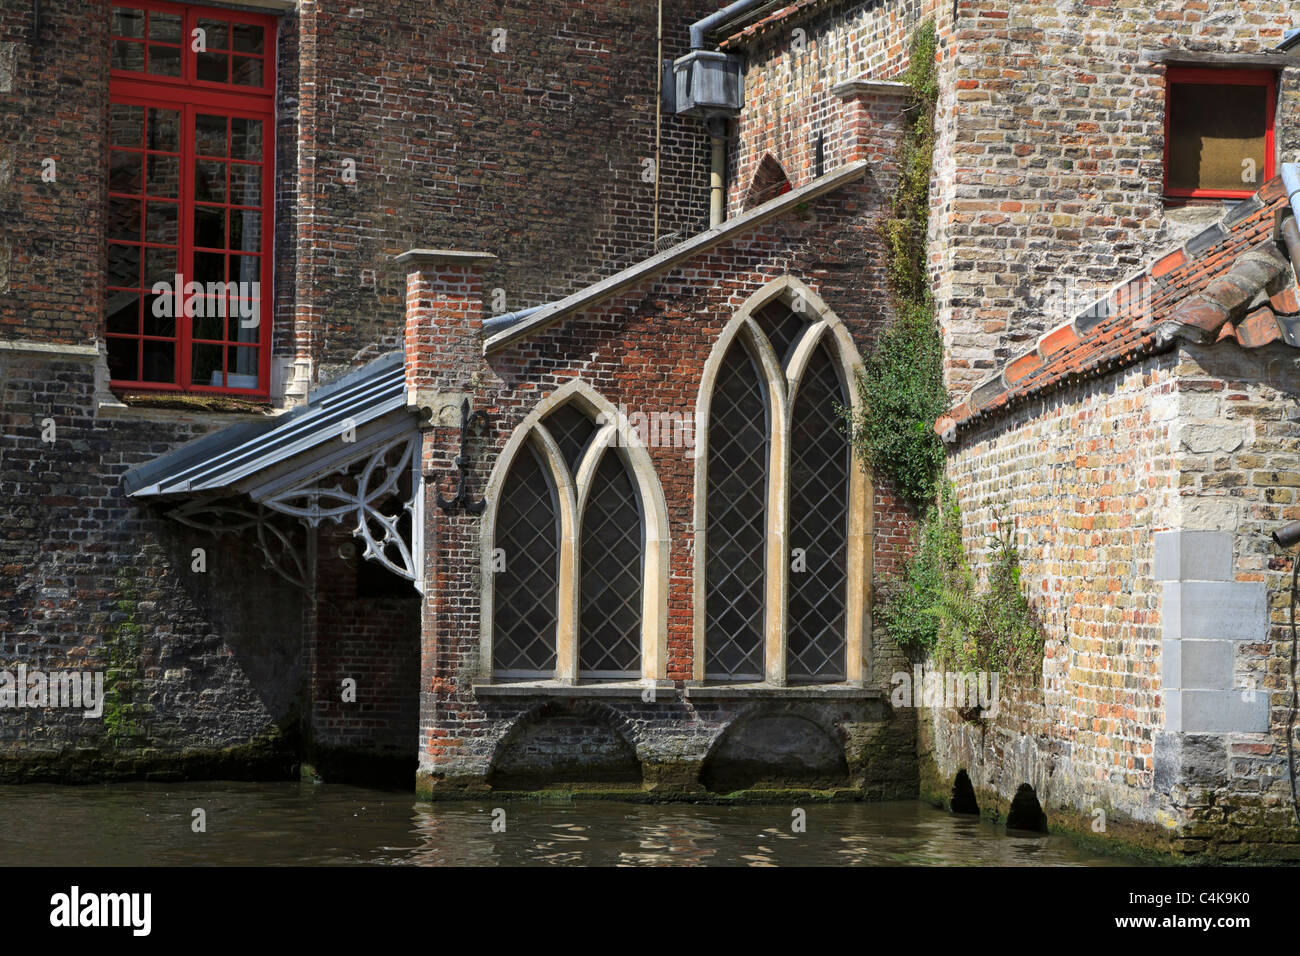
[
  {"x": 190, "y": 197},
  {"x": 1218, "y": 131}
]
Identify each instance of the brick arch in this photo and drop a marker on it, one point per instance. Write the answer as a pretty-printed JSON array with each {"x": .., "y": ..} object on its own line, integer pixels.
[
  {"x": 825, "y": 742},
  {"x": 769, "y": 182},
  {"x": 609, "y": 718}
]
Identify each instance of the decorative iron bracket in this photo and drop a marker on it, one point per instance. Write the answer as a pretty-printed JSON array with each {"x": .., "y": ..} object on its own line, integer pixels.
[{"x": 468, "y": 420}]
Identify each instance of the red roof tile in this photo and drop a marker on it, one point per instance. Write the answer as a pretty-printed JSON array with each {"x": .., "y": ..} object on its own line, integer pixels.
[{"x": 1230, "y": 282}]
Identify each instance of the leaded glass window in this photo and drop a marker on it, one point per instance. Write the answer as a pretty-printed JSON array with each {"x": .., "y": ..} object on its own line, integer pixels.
[
  {"x": 572, "y": 431},
  {"x": 528, "y": 535},
  {"x": 737, "y": 514},
  {"x": 782, "y": 326},
  {"x": 819, "y": 484},
  {"x": 610, "y": 641}
]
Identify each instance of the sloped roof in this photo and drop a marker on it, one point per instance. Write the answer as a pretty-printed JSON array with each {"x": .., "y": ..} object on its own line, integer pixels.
[
  {"x": 225, "y": 459},
  {"x": 504, "y": 330},
  {"x": 1229, "y": 282},
  {"x": 767, "y": 22}
]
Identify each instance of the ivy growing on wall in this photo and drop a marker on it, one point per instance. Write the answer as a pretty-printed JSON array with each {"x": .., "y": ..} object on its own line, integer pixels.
[
  {"x": 901, "y": 386},
  {"x": 936, "y": 609},
  {"x": 940, "y": 612}
]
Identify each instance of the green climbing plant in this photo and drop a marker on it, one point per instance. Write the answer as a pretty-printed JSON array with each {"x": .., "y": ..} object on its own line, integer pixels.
[
  {"x": 900, "y": 388},
  {"x": 939, "y": 611}
]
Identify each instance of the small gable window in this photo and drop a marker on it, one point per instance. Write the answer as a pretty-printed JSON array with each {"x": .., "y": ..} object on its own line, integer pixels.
[{"x": 1218, "y": 132}]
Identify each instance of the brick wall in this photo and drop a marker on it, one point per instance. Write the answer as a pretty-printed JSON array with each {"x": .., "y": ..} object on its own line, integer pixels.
[
  {"x": 1196, "y": 440},
  {"x": 1050, "y": 172},
  {"x": 195, "y": 662},
  {"x": 790, "y": 79},
  {"x": 644, "y": 349},
  {"x": 372, "y": 638},
  {"x": 534, "y": 152}
]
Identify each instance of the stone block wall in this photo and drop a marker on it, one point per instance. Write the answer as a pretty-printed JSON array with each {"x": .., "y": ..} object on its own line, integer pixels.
[{"x": 1142, "y": 504}]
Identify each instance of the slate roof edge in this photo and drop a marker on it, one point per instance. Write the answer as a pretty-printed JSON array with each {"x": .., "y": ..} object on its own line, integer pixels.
[
  {"x": 611, "y": 286},
  {"x": 149, "y": 479}
]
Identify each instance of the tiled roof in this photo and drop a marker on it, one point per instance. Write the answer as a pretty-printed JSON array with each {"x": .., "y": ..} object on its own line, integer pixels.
[
  {"x": 1229, "y": 282},
  {"x": 763, "y": 24}
]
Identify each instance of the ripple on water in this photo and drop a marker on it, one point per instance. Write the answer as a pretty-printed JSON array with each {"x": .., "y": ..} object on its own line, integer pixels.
[{"x": 292, "y": 823}]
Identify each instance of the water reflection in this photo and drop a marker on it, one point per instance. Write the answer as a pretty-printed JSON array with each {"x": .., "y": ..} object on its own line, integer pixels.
[{"x": 290, "y": 823}]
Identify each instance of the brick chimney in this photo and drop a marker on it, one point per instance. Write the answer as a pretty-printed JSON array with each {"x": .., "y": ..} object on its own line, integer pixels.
[
  {"x": 444, "y": 322},
  {"x": 873, "y": 121}
]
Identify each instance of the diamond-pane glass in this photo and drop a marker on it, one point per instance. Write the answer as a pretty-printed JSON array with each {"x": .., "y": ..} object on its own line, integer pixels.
[
  {"x": 737, "y": 499},
  {"x": 571, "y": 430},
  {"x": 610, "y": 644},
  {"x": 819, "y": 486},
  {"x": 528, "y": 534},
  {"x": 781, "y": 326}
]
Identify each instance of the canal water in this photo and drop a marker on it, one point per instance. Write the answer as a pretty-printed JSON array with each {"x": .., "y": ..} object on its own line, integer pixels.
[{"x": 330, "y": 824}]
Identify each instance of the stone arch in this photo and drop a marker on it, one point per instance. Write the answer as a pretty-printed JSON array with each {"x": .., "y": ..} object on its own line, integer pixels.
[
  {"x": 613, "y": 430},
  {"x": 562, "y": 742},
  {"x": 769, "y": 182},
  {"x": 1025, "y": 812},
  {"x": 825, "y": 327},
  {"x": 776, "y": 746}
]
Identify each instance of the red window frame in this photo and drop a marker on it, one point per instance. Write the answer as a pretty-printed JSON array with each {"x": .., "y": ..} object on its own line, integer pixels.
[
  {"x": 190, "y": 97},
  {"x": 1175, "y": 75}
]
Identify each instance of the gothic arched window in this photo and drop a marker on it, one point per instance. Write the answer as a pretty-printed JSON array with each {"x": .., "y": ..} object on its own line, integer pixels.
[
  {"x": 576, "y": 547},
  {"x": 528, "y": 539},
  {"x": 737, "y": 509},
  {"x": 784, "y": 549}
]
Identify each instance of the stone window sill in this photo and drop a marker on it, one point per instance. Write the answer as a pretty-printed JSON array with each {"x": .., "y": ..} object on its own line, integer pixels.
[
  {"x": 838, "y": 691},
  {"x": 553, "y": 688}
]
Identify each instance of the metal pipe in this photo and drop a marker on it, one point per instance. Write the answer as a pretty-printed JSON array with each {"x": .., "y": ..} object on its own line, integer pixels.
[
  {"x": 1291, "y": 182},
  {"x": 700, "y": 27},
  {"x": 1291, "y": 235},
  {"x": 718, "y": 173}
]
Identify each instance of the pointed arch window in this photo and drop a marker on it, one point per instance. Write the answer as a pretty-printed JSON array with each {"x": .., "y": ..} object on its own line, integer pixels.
[
  {"x": 612, "y": 533},
  {"x": 738, "y": 475},
  {"x": 819, "y": 484},
  {"x": 783, "y": 543},
  {"x": 577, "y": 547},
  {"x": 528, "y": 525}
]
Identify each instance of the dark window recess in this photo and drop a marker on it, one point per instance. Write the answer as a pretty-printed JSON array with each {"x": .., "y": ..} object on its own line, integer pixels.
[
  {"x": 610, "y": 642},
  {"x": 737, "y": 515},
  {"x": 1219, "y": 132},
  {"x": 819, "y": 489},
  {"x": 524, "y": 593}
]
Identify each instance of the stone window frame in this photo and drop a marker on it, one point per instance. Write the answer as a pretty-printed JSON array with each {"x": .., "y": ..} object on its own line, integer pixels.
[
  {"x": 825, "y": 328},
  {"x": 572, "y": 494}
]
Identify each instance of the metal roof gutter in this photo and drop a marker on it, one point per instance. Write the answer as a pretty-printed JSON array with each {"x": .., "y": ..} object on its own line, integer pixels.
[
  {"x": 700, "y": 28},
  {"x": 548, "y": 315}
]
